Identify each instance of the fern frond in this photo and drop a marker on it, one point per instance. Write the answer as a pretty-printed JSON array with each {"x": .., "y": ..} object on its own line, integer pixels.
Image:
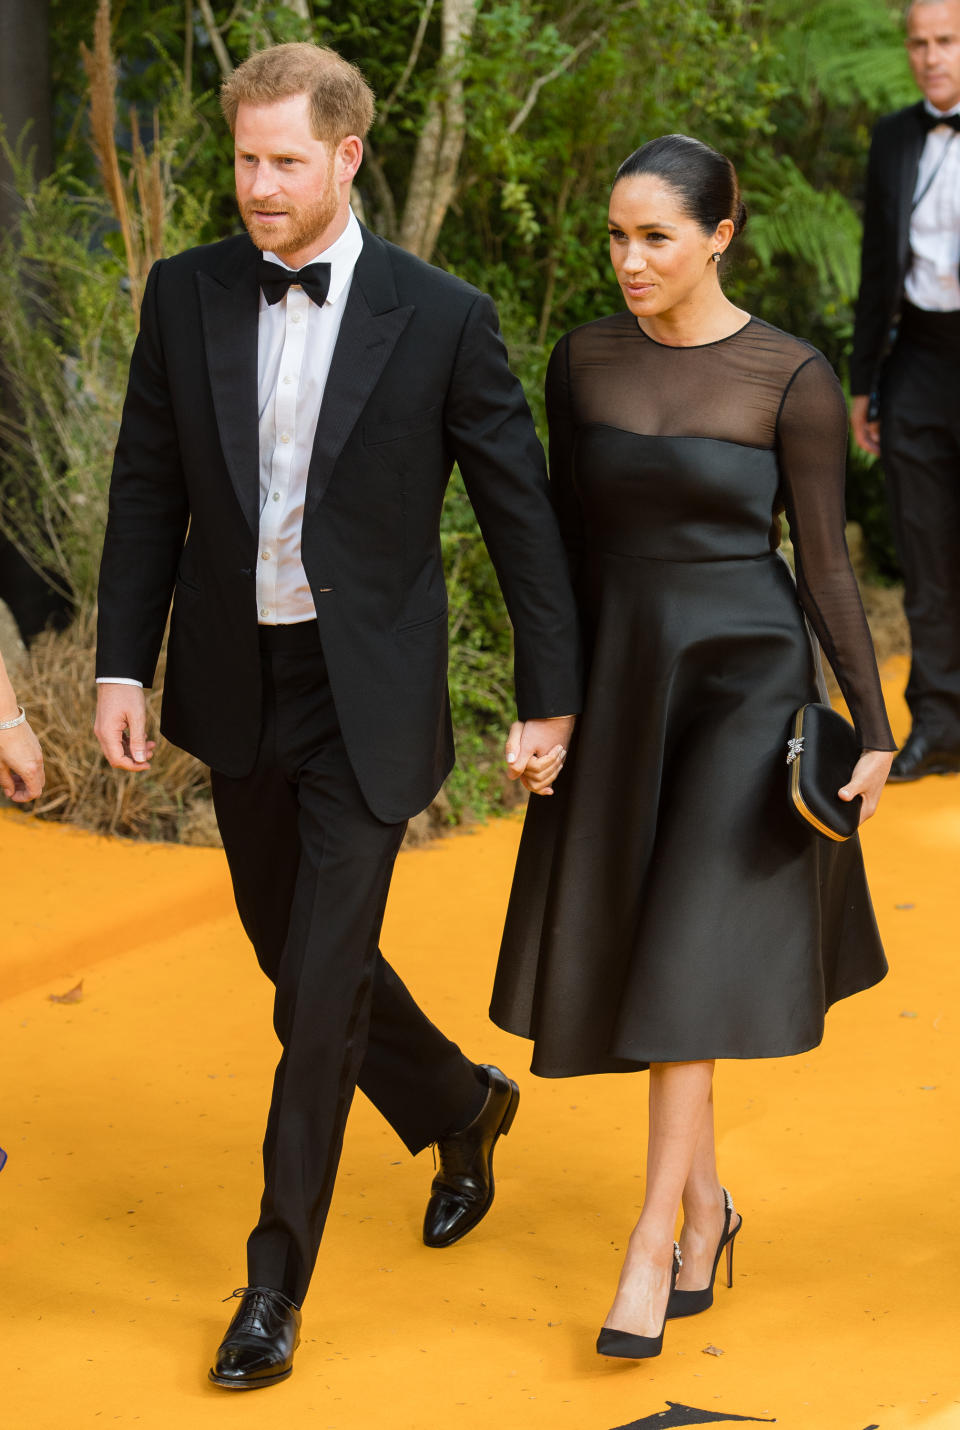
[
  {"x": 849, "y": 51},
  {"x": 790, "y": 218}
]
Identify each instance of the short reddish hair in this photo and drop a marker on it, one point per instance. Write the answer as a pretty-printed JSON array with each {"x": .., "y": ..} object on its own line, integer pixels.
[{"x": 341, "y": 101}]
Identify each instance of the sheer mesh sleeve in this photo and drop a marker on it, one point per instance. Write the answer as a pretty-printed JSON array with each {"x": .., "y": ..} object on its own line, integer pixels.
[
  {"x": 811, "y": 451},
  {"x": 560, "y": 423}
]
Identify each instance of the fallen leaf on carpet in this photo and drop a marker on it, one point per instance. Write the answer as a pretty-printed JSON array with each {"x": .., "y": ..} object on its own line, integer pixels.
[
  {"x": 904, "y": 906},
  {"x": 712, "y": 1351},
  {"x": 907, "y": 1014},
  {"x": 75, "y": 995}
]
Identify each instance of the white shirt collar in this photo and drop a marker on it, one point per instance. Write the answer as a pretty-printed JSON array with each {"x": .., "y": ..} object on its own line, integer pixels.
[
  {"x": 342, "y": 256},
  {"x": 940, "y": 113}
]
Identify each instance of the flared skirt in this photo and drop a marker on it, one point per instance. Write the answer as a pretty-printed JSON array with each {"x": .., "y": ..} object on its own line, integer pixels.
[{"x": 667, "y": 904}]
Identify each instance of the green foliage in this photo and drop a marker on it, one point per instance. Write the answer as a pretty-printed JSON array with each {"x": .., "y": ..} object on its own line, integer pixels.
[
  {"x": 791, "y": 218},
  {"x": 67, "y": 328},
  {"x": 481, "y": 694}
]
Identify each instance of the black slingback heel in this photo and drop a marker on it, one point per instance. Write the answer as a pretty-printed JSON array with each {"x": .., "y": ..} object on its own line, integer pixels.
[{"x": 691, "y": 1303}]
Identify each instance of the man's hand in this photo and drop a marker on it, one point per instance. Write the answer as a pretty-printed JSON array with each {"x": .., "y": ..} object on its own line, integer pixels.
[
  {"x": 121, "y": 727},
  {"x": 536, "y": 749},
  {"x": 866, "y": 434}
]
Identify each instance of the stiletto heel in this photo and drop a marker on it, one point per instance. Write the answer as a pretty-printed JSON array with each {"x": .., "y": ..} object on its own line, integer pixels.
[
  {"x": 629, "y": 1347},
  {"x": 691, "y": 1303}
]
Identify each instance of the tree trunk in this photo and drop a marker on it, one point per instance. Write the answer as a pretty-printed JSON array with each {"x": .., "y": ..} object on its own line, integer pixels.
[
  {"x": 25, "y": 99},
  {"x": 433, "y": 177},
  {"x": 24, "y": 91}
]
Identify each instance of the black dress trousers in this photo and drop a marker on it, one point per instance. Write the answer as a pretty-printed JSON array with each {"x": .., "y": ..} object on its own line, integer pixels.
[
  {"x": 920, "y": 439},
  {"x": 311, "y": 868}
]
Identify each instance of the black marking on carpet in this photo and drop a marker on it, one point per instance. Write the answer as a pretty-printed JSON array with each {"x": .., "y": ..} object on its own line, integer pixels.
[{"x": 679, "y": 1415}]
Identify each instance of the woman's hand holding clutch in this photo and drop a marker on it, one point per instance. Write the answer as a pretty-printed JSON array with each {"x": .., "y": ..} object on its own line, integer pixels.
[{"x": 868, "y": 779}]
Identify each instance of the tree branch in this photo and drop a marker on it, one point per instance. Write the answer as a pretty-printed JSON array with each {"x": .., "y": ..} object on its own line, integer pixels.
[
  {"x": 216, "y": 39},
  {"x": 412, "y": 58},
  {"x": 387, "y": 217},
  {"x": 555, "y": 73}
]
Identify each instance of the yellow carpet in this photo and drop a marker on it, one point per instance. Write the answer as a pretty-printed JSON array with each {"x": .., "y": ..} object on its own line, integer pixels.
[{"x": 132, "y": 1120}]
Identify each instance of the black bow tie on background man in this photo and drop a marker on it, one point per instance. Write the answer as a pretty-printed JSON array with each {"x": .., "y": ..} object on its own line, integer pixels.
[
  {"x": 930, "y": 121},
  {"x": 274, "y": 281}
]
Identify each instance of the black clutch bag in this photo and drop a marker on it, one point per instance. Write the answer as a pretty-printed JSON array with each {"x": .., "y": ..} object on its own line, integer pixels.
[{"x": 821, "y": 754}]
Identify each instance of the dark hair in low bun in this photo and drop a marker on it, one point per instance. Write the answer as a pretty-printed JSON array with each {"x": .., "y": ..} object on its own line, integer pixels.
[{"x": 704, "y": 180}]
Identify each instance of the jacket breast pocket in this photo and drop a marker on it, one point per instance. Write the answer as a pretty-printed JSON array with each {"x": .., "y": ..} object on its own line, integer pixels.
[{"x": 410, "y": 424}]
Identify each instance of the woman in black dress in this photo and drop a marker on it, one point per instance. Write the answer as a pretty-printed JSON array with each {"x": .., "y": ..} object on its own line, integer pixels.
[{"x": 668, "y": 909}]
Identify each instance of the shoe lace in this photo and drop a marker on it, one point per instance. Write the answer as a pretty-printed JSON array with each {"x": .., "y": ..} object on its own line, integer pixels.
[
  {"x": 260, "y": 1301},
  {"x": 455, "y": 1158}
]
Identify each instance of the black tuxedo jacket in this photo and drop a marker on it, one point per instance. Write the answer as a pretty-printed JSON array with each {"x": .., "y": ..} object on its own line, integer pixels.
[
  {"x": 895, "y": 151},
  {"x": 419, "y": 380}
]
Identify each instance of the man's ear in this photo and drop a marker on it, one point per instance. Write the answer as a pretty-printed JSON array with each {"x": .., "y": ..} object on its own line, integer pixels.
[{"x": 348, "y": 158}]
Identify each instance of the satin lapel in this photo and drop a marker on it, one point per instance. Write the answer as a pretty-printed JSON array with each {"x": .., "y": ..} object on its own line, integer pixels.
[
  {"x": 372, "y": 323},
  {"x": 911, "y": 147},
  {"x": 230, "y": 311}
]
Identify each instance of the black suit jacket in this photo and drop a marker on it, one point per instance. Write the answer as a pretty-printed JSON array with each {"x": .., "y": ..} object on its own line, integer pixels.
[
  {"x": 419, "y": 379},
  {"x": 895, "y": 151}
]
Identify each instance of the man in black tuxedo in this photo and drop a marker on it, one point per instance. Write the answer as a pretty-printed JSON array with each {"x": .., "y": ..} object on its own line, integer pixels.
[
  {"x": 286, "y": 441},
  {"x": 905, "y": 370}
]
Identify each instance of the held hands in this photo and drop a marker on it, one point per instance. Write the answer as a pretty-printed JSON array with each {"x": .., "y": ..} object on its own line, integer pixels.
[
  {"x": 536, "y": 749},
  {"x": 868, "y": 778},
  {"x": 21, "y": 764},
  {"x": 866, "y": 434},
  {"x": 121, "y": 727}
]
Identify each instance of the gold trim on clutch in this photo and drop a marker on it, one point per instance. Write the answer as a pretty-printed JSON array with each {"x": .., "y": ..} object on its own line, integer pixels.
[{"x": 799, "y": 803}]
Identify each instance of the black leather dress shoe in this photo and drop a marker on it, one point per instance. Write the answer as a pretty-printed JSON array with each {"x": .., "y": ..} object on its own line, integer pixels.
[
  {"x": 260, "y": 1341},
  {"x": 462, "y": 1191},
  {"x": 921, "y": 756}
]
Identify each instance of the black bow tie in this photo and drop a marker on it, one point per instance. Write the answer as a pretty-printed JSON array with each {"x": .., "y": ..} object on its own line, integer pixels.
[
  {"x": 930, "y": 121},
  {"x": 314, "y": 280}
]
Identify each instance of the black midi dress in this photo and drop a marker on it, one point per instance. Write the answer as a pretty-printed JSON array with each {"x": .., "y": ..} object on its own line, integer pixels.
[{"x": 667, "y": 905}]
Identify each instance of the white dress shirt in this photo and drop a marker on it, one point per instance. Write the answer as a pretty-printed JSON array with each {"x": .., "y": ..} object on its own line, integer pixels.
[
  {"x": 933, "y": 281},
  {"x": 294, "y": 352},
  {"x": 295, "y": 345}
]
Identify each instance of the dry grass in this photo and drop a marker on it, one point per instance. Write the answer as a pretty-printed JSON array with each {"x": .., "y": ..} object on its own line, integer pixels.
[
  {"x": 55, "y": 684},
  {"x": 141, "y": 201}
]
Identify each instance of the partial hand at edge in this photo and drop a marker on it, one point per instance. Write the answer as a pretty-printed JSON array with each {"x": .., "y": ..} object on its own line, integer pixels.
[
  {"x": 121, "y": 727},
  {"x": 868, "y": 779},
  {"x": 21, "y": 764},
  {"x": 866, "y": 434},
  {"x": 536, "y": 749}
]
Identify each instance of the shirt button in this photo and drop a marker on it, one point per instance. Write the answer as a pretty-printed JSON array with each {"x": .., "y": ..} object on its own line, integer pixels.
[
  {"x": 264, "y": 610},
  {"x": 265, "y": 555},
  {"x": 288, "y": 379},
  {"x": 284, "y": 436},
  {"x": 294, "y": 317},
  {"x": 276, "y": 496}
]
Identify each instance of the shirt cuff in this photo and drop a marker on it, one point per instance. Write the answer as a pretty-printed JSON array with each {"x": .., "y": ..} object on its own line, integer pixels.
[{"x": 118, "y": 680}]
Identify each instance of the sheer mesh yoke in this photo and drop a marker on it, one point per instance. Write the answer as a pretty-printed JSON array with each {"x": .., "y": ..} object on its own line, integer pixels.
[{"x": 760, "y": 390}]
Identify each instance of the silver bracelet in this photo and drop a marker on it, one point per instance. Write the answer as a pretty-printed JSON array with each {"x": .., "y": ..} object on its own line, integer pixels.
[{"x": 9, "y": 724}]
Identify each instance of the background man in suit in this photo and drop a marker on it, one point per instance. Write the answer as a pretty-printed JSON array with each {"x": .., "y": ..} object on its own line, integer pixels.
[
  {"x": 286, "y": 441},
  {"x": 905, "y": 370}
]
